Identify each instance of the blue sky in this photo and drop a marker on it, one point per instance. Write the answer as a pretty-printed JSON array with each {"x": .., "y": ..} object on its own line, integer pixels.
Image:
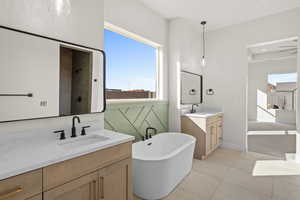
[
  {"x": 282, "y": 78},
  {"x": 130, "y": 64}
]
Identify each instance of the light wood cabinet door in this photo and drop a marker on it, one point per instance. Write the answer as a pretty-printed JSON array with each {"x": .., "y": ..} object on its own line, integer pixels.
[
  {"x": 213, "y": 136},
  {"x": 115, "y": 181},
  {"x": 208, "y": 141},
  {"x": 220, "y": 132},
  {"x": 84, "y": 188}
]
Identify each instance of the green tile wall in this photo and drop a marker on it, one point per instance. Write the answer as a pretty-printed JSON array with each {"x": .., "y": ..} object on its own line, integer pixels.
[{"x": 134, "y": 118}]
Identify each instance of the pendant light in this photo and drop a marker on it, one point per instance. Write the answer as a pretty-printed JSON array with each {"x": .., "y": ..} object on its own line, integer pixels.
[{"x": 203, "y": 62}]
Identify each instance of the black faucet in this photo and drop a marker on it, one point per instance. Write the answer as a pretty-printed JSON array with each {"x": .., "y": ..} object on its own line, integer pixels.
[
  {"x": 73, "y": 125},
  {"x": 148, "y": 135},
  {"x": 62, "y": 134},
  {"x": 193, "y": 110}
]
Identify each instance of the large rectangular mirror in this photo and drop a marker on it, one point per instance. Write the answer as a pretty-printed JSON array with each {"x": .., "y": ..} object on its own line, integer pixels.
[
  {"x": 191, "y": 88},
  {"x": 42, "y": 77}
]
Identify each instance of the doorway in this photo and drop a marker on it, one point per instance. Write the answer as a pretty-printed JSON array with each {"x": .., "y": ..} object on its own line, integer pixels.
[{"x": 272, "y": 96}]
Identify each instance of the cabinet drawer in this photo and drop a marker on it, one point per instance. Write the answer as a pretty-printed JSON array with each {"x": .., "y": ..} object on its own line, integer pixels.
[
  {"x": 21, "y": 187},
  {"x": 83, "y": 188},
  {"x": 68, "y": 170}
]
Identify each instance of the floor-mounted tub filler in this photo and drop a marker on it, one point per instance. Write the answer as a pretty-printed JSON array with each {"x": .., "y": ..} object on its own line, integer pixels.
[{"x": 161, "y": 163}]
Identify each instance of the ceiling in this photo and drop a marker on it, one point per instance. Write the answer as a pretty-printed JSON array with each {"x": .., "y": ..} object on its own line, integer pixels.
[
  {"x": 276, "y": 46},
  {"x": 220, "y": 13},
  {"x": 274, "y": 50}
]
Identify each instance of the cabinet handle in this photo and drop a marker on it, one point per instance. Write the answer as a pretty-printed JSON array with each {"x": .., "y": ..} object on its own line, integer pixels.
[
  {"x": 11, "y": 193},
  {"x": 101, "y": 187}
]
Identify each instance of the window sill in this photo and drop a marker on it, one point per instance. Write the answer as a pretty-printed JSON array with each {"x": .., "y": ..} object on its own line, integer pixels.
[{"x": 120, "y": 101}]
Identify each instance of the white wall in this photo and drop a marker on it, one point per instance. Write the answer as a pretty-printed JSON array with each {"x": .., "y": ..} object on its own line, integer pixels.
[
  {"x": 26, "y": 74},
  {"x": 79, "y": 22},
  {"x": 227, "y": 67},
  {"x": 258, "y": 80},
  {"x": 184, "y": 54},
  {"x": 135, "y": 17}
]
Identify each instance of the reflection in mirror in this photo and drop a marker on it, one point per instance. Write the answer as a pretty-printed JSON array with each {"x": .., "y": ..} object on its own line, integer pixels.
[
  {"x": 75, "y": 81},
  {"x": 191, "y": 88},
  {"x": 42, "y": 77}
]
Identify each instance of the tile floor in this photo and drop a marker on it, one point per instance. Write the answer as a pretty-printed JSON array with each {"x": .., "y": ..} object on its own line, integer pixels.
[{"x": 226, "y": 175}]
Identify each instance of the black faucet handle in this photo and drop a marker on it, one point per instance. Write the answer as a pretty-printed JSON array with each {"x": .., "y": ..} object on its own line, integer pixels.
[
  {"x": 62, "y": 134},
  {"x": 83, "y": 132}
]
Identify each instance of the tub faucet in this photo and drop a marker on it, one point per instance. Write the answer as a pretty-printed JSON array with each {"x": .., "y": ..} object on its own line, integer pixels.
[{"x": 148, "y": 135}]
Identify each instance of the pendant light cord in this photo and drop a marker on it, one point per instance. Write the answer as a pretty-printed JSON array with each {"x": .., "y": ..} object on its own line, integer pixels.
[
  {"x": 203, "y": 23},
  {"x": 204, "y": 41}
]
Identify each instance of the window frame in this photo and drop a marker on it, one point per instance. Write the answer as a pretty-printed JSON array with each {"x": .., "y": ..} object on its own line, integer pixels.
[{"x": 159, "y": 62}]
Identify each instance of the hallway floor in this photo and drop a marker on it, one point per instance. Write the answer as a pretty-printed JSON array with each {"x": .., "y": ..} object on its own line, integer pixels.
[{"x": 227, "y": 175}]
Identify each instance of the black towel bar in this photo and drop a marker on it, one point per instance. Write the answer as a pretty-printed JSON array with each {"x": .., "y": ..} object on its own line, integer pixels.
[{"x": 17, "y": 95}]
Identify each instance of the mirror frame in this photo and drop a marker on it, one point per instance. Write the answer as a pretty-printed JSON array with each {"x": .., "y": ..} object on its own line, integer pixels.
[
  {"x": 72, "y": 44},
  {"x": 201, "y": 87}
]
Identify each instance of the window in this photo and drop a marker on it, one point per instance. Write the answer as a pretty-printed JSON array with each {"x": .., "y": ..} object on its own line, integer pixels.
[
  {"x": 274, "y": 79},
  {"x": 282, "y": 91},
  {"x": 131, "y": 67}
]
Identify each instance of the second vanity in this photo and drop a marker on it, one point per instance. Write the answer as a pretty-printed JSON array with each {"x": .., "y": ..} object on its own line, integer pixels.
[
  {"x": 207, "y": 127},
  {"x": 38, "y": 166}
]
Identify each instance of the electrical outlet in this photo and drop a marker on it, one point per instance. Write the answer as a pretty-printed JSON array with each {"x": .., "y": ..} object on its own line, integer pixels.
[{"x": 43, "y": 103}]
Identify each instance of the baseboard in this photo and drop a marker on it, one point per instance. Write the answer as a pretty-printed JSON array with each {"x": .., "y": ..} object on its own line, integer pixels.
[
  {"x": 292, "y": 157},
  {"x": 229, "y": 145}
]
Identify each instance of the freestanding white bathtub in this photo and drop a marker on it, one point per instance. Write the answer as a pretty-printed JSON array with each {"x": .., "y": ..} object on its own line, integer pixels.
[{"x": 160, "y": 163}]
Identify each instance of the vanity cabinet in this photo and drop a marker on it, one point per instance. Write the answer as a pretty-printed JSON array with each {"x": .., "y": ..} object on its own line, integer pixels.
[
  {"x": 207, "y": 130},
  {"x": 101, "y": 175}
]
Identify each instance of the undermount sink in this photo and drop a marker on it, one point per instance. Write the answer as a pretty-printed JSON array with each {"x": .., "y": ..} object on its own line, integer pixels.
[{"x": 82, "y": 140}]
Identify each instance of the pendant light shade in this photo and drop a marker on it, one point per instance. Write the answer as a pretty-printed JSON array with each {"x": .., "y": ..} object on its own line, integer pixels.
[{"x": 203, "y": 62}]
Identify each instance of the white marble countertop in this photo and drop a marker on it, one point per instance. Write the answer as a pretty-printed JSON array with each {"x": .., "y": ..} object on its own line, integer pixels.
[
  {"x": 204, "y": 114},
  {"x": 24, "y": 152}
]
